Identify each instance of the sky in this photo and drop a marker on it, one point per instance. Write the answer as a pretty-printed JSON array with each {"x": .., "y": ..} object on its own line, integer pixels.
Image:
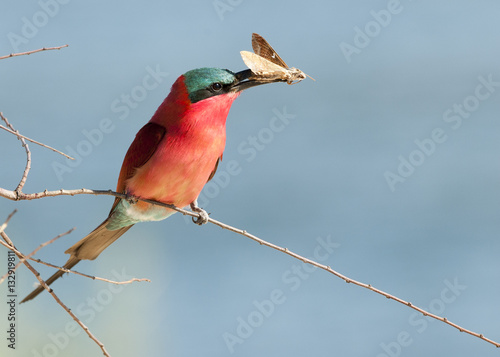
[{"x": 384, "y": 168}]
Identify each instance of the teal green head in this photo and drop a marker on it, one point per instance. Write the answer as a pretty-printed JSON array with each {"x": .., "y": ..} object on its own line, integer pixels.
[{"x": 203, "y": 83}]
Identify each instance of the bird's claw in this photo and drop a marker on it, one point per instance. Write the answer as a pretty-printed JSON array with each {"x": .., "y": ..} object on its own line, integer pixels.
[
  {"x": 203, "y": 215},
  {"x": 202, "y": 219},
  {"x": 132, "y": 200}
]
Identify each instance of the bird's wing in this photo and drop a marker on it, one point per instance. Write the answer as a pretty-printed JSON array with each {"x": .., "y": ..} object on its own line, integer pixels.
[
  {"x": 140, "y": 151},
  {"x": 215, "y": 168}
]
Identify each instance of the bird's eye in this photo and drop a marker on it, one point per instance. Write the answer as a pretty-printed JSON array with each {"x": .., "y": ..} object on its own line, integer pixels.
[{"x": 216, "y": 87}]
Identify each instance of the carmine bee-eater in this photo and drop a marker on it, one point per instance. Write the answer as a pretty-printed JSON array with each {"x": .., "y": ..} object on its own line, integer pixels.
[{"x": 171, "y": 158}]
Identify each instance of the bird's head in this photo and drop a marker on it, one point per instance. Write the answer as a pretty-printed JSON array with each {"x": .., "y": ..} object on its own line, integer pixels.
[
  {"x": 207, "y": 90},
  {"x": 203, "y": 83}
]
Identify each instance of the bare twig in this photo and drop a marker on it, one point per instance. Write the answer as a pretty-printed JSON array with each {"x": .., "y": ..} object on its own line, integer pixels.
[
  {"x": 33, "y": 51},
  {"x": 11, "y": 195},
  {"x": 350, "y": 281},
  {"x": 28, "y": 155},
  {"x": 262, "y": 242},
  {"x": 8, "y": 243},
  {"x": 62, "y": 192},
  {"x": 4, "y": 224},
  {"x": 30, "y": 257},
  {"x": 88, "y": 276},
  {"x": 11, "y": 246},
  {"x": 33, "y": 141},
  {"x": 35, "y": 251}
]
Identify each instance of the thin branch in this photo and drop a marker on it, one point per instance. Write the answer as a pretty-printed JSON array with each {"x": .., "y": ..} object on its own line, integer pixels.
[
  {"x": 33, "y": 141},
  {"x": 4, "y": 224},
  {"x": 62, "y": 192},
  {"x": 11, "y": 246},
  {"x": 351, "y": 281},
  {"x": 35, "y": 251},
  {"x": 11, "y": 195},
  {"x": 21, "y": 196},
  {"x": 8, "y": 243},
  {"x": 28, "y": 155},
  {"x": 30, "y": 257},
  {"x": 88, "y": 276},
  {"x": 23, "y": 260},
  {"x": 33, "y": 51}
]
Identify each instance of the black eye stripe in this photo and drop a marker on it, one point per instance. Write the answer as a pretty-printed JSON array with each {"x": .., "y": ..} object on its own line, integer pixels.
[
  {"x": 216, "y": 87},
  {"x": 212, "y": 90}
]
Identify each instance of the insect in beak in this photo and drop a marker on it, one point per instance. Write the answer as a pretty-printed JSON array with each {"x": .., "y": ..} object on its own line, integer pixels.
[{"x": 267, "y": 65}]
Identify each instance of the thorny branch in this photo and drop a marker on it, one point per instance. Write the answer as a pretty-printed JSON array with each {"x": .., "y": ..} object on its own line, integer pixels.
[
  {"x": 4, "y": 225},
  {"x": 22, "y": 137},
  {"x": 8, "y": 243},
  {"x": 30, "y": 257},
  {"x": 33, "y": 51},
  {"x": 17, "y": 195},
  {"x": 28, "y": 154},
  {"x": 89, "y": 276},
  {"x": 23, "y": 196},
  {"x": 33, "y": 252}
]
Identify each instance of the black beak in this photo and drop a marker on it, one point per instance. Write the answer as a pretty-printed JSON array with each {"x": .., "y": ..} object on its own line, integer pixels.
[{"x": 246, "y": 79}]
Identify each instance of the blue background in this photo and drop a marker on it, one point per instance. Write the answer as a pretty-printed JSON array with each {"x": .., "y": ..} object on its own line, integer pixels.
[{"x": 322, "y": 176}]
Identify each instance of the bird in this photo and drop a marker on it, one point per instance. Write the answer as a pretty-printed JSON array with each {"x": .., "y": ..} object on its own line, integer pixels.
[{"x": 171, "y": 158}]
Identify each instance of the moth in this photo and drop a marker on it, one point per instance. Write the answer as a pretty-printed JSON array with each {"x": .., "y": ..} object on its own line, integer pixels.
[{"x": 266, "y": 64}]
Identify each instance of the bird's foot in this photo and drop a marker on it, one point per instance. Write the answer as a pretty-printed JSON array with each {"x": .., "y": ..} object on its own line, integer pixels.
[
  {"x": 132, "y": 200},
  {"x": 203, "y": 218}
]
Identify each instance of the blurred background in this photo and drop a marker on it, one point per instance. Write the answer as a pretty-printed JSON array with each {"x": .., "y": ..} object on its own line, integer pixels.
[{"x": 385, "y": 168}]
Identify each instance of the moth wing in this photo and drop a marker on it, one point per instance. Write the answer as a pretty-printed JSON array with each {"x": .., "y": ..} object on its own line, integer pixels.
[
  {"x": 259, "y": 65},
  {"x": 262, "y": 48}
]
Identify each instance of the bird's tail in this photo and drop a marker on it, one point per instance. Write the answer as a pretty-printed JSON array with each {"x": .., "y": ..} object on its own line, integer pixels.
[
  {"x": 69, "y": 264},
  {"x": 87, "y": 248}
]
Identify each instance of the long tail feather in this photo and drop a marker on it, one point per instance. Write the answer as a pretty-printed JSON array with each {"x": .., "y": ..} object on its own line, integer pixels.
[
  {"x": 87, "y": 248},
  {"x": 69, "y": 264}
]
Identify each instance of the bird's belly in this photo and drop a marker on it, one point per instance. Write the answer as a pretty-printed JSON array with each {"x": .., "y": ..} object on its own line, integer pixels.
[
  {"x": 126, "y": 214},
  {"x": 176, "y": 174}
]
